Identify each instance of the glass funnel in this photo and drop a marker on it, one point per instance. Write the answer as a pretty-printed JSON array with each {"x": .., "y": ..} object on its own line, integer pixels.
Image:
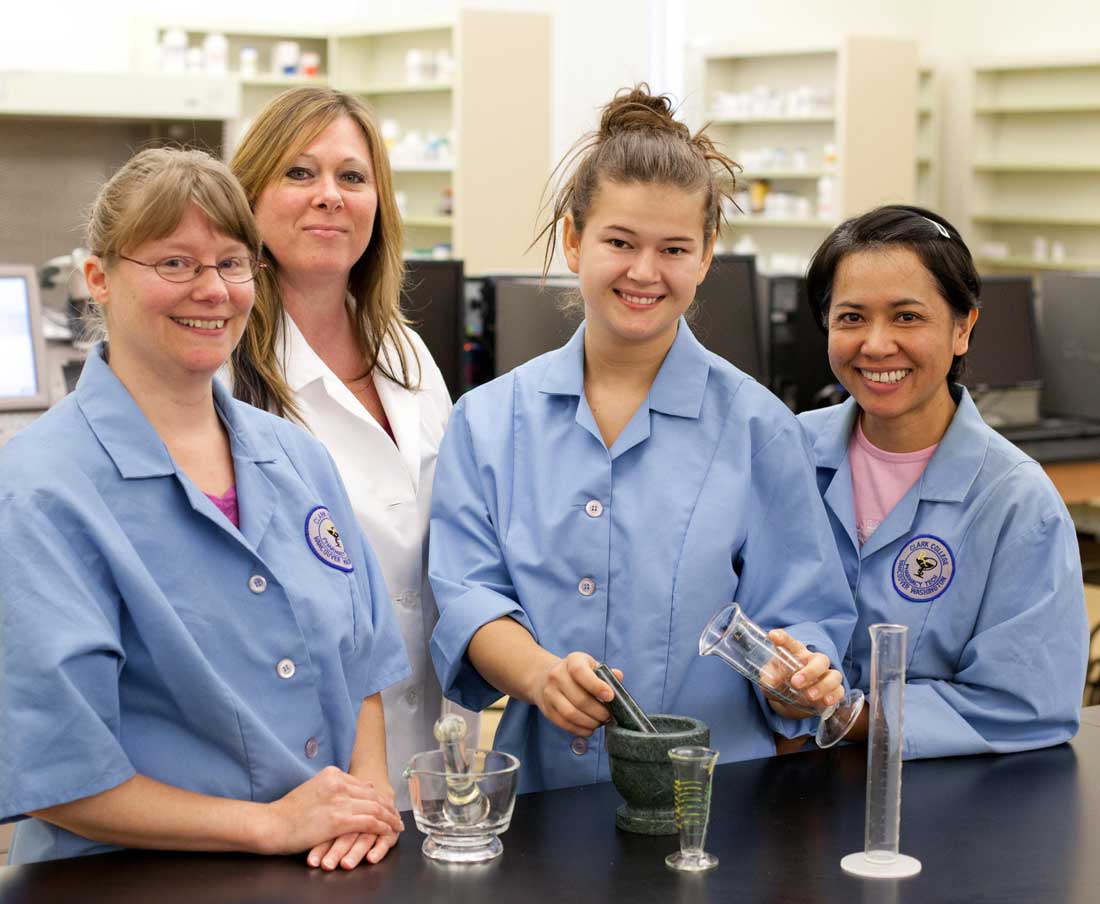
[{"x": 741, "y": 643}]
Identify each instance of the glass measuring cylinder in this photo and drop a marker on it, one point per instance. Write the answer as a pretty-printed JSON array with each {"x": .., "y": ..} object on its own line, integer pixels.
[
  {"x": 693, "y": 774},
  {"x": 882, "y": 818},
  {"x": 741, "y": 643}
]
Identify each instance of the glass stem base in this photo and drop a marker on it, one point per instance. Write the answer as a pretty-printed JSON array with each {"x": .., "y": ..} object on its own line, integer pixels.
[
  {"x": 691, "y": 861},
  {"x": 901, "y": 867}
]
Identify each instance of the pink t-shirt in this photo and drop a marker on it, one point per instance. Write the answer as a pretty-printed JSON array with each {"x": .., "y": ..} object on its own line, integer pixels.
[
  {"x": 227, "y": 504},
  {"x": 880, "y": 479}
]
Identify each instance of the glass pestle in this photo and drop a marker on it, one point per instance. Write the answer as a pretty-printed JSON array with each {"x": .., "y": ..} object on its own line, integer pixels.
[
  {"x": 880, "y": 858},
  {"x": 465, "y": 804},
  {"x": 742, "y": 644}
]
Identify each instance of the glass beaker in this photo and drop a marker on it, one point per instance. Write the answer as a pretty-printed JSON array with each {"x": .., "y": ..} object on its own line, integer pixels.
[
  {"x": 741, "y": 643},
  {"x": 879, "y": 858},
  {"x": 693, "y": 773}
]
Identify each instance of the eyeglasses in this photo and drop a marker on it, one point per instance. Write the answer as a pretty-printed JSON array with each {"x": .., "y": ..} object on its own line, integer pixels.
[{"x": 185, "y": 269}]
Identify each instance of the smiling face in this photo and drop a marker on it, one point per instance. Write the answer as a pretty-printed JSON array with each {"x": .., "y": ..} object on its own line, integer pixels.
[
  {"x": 640, "y": 258},
  {"x": 892, "y": 338},
  {"x": 172, "y": 331},
  {"x": 317, "y": 216}
]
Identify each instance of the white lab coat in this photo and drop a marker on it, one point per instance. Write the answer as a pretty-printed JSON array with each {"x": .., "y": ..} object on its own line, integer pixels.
[{"x": 390, "y": 488}]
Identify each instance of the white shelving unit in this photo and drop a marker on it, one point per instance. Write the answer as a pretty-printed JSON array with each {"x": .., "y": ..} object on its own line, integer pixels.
[
  {"x": 496, "y": 82},
  {"x": 1035, "y": 171},
  {"x": 927, "y": 190},
  {"x": 829, "y": 123}
]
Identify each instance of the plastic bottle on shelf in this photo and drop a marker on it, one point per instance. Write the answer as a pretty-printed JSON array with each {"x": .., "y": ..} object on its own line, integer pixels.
[
  {"x": 173, "y": 51},
  {"x": 284, "y": 57},
  {"x": 248, "y": 63},
  {"x": 311, "y": 63},
  {"x": 826, "y": 201},
  {"x": 215, "y": 52},
  {"x": 828, "y": 157}
]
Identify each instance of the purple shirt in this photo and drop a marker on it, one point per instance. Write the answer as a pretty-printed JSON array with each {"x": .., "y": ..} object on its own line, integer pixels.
[{"x": 227, "y": 505}]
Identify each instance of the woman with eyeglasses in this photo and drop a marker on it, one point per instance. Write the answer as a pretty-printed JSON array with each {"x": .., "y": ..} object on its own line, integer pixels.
[{"x": 194, "y": 633}]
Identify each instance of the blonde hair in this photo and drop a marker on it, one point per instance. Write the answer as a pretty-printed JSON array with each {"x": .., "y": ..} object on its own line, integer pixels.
[
  {"x": 638, "y": 140},
  {"x": 280, "y": 131},
  {"x": 148, "y": 197}
]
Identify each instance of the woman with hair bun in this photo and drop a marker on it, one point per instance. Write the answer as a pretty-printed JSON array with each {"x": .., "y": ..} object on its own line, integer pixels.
[
  {"x": 602, "y": 501},
  {"x": 942, "y": 524}
]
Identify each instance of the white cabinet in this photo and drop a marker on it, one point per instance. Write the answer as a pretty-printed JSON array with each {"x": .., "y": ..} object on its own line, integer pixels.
[
  {"x": 822, "y": 133},
  {"x": 1035, "y": 186}
]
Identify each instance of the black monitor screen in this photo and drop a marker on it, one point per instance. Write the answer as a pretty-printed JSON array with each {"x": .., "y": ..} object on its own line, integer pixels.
[
  {"x": 726, "y": 320},
  {"x": 528, "y": 319},
  {"x": 433, "y": 301},
  {"x": 1004, "y": 348},
  {"x": 1070, "y": 345}
]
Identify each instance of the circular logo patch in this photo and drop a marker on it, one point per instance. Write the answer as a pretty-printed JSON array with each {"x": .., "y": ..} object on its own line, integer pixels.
[
  {"x": 324, "y": 540},
  {"x": 923, "y": 569}
]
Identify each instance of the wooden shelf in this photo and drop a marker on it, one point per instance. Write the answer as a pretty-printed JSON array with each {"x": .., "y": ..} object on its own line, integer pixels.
[
  {"x": 765, "y": 222},
  {"x": 1031, "y": 263},
  {"x": 824, "y": 118},
  {"x": 424, "y": 167},
  {"x": 1035, "y": 166},
  {"x": 1036, "y": 109},
  {"x": 1028, "y": 219},
  {"x": 282, "y": 81},
  {"x": 436, "y": 222},
  {"x": 748, "y": 176},
  {"x": 377, "y": 88}
]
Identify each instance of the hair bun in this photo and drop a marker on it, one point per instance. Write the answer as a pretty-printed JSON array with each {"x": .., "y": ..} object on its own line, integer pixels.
[{"x": 635, "y": 109}]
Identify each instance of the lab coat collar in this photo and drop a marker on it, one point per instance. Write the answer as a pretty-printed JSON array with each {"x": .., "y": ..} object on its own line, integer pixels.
[
  {"x": 961, "y": 453},
  {"x": 303, "y": 366},
  {"x": 677, "y": 390},
  {"x": 130, "y": 440},
  {"x": 948, "y": 476}
]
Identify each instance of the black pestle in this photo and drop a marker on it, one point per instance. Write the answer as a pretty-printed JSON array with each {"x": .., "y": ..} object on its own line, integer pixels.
[{"x": 623, "y": 707}]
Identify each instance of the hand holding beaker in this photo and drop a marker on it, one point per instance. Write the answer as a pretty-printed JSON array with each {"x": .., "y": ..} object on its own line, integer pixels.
[
  {"x": 745, "y": 647},
  {"x": 816, "y": 680}
]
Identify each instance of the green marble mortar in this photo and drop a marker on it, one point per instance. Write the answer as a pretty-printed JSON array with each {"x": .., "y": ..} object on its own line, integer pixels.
[{"x": 642, "y": 773}]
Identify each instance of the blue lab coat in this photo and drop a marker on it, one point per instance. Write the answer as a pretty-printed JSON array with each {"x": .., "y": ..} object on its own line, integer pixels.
[
  {"x": 707, "y": 496},
  {"x": 143, "y": 633},
  {"x": 997, "y": 636}
]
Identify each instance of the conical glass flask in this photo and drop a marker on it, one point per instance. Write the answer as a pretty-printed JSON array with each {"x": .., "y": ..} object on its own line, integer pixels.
[{"x": 740, "y": 642}]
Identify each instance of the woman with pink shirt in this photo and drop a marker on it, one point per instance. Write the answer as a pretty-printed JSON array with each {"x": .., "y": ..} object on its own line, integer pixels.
[{"x": 942, "y": 524}]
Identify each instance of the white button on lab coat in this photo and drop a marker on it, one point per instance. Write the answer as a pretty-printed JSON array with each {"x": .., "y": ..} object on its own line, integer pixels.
[{"x": 390, "y": 490}]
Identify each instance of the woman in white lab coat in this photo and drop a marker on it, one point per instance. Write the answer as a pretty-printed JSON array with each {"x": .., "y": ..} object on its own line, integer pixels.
[{"x": 329, "y": 347}]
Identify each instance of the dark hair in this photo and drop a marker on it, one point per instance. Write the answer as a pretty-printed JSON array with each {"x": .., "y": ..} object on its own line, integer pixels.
[
  {"x": 639, "y": 140},
  {"x": 928, "y": 235}
]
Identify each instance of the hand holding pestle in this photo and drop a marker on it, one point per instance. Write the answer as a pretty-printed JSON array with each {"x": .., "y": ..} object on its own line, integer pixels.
[{"x": 623, "y": 707}]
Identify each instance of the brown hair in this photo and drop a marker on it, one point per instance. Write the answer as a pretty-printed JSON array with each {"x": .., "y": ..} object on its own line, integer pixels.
[
  {"x": 638, "y": 140},
  {"x": 146, "y": 199},
  {"x": 285, "y": 126}
]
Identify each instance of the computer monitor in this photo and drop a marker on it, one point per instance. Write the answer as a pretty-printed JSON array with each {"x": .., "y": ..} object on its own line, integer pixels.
[
  {"x": 1069, "y": 347},
  {"x": 727, "y": 319},
  {"x": 1004, "y": 349},
  {"x": 799, "y": 349},
  {"x": 526, "y": 317},
  {"x": 23, "y": 384},
  {"x": 433, "y": 299}
]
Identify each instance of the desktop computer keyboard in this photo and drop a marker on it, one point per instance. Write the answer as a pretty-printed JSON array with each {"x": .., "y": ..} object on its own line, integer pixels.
[{"x": 1048, "y": 451}]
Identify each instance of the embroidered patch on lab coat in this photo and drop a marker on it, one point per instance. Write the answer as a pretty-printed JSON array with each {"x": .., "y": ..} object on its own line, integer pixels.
[
  {"x": 923, "y": 569},
  {"x": 324, "y": 540}
]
